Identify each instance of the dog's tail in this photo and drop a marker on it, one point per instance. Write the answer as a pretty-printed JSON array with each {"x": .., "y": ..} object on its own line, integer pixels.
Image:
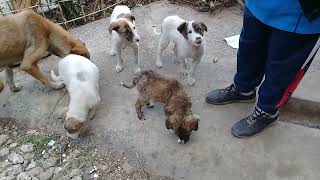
[
  {"x": 55, "y": 77},
  {"x": 156, "y": 32},
  {"x": 134, "y": 83}
]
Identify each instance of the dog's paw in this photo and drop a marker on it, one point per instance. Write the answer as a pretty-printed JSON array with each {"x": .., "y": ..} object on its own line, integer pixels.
[
  {"x": 136, "y": 70},
  {"x": 141, "y": 117},
  {"x": 159, "y": 63},
  {"x": 119, "y": 68},
  {"x": 16, "y": 88},
  {"x": 57, "y": 84},
  {"x": 184, "y": 72},
  {"x": 191, "y": 81},
  {"x": 113, "y": 52}
]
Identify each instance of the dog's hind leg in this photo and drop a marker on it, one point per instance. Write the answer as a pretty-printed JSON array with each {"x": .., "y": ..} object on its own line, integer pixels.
[
  {"x": 163, "y": 44},
  {"x": 9, "y": 76},
  {"x": 139, "y": 105}
]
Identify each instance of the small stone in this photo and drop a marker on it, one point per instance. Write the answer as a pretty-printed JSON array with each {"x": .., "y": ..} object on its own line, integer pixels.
[
  {"x": 29, "y": 156},
  {"x": 35, "y": 171},
  {"x": 51, "y": 143},
  {"x": 13, "y": 145},
  {"x": 14, "y": 133},
  {"x": 34, "y": 178},
  {"x": 26, "y": 148},
  {"x": 3, "y": 139},
  {"x": 50, "y": 162},
  {"x": 4, "y": 152},
  {"x": 77, "y": 178},
  {"x": 32, "y": 165},
  {"x": 23, "y": 176},
  {"x": 46, "y": 175},
  {"x": 75, "y": 172},
  {"x": 4, "y": 165},
  {"x": 127, "y": 168},
  {"x": 95, "y": 175},
  {"x": 15, "y": 158},
  {"x": 103, "y": 167},
  {"x": 57, "y": 170},
  {"x": 14, "y": 170}
]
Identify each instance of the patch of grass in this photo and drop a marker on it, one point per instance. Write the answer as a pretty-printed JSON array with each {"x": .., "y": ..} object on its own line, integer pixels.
[{"x": 39, "y": 142}]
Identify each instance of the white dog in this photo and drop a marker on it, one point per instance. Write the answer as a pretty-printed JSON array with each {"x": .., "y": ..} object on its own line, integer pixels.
[
  {"x": 188, "y": 39},
  {"x": 123, "y": 30},
  {"x": 81, "y": 78}
]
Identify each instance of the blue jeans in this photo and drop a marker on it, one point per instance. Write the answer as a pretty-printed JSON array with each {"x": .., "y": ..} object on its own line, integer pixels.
[{"x": 271, "y": 53}]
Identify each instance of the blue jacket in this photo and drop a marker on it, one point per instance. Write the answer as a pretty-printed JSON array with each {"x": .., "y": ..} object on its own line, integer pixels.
[{"x": 285, "y": 15}]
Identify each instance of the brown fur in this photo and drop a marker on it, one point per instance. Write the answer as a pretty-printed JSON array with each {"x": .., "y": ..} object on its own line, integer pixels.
[
  {"x": 177, "y": 103},
  {"x": 26, "y": 37},
  {"x": 122, "y": 28}
]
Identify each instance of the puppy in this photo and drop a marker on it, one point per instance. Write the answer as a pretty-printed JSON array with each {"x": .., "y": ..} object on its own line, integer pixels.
[
  {"x": 123, "y": 31},
  {"x": 153, "y": 87},
  {"x": 81, "y": 78},
  {"x": 27, "y": 37},
  {"x": 187, "y": 37}
]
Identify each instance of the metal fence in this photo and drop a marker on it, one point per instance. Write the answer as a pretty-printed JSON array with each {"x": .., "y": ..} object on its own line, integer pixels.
[{"x": 69, "y": 13}]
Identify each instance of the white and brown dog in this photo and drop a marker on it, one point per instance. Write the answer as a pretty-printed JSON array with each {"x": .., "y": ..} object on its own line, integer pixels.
[
  {"x": 81, "y": 78},
  {"x": 187, "y": 37},
  {"x": 123, "y": 31}
]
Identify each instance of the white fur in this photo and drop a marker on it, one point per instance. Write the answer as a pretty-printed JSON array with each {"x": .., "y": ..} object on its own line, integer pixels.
[
  {"x": 84, "y": 93},
  {"x": 119, "y": 43},
  {"x": 188, "y": 52}
]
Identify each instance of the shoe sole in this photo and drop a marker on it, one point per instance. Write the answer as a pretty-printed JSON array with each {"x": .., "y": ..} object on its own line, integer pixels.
[
  {"x": 248, "y": 137},
  {"x": 234, "y": 101}
]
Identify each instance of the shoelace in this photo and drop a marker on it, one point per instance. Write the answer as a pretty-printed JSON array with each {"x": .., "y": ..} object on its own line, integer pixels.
[
  {"x": 228, "y": 89},
  {"x": 255, "y": 115}
]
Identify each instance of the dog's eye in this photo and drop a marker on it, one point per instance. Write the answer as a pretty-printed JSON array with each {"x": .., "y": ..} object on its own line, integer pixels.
[
  {"x": 134, "y": 27},
  {"x": 189, "y": 31}
]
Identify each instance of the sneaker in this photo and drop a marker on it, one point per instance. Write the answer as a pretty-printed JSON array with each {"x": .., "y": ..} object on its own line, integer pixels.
[
  {"x": 253, "y": 124},
  {"x": 229, "y": 95}
]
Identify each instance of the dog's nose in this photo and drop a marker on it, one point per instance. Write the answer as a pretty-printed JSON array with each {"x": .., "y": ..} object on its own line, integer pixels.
[
  {"x": 198, "y": 39},
  {"x": 137, "y": 40}
]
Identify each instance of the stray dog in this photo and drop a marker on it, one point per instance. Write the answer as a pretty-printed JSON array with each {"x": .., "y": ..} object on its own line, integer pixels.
[
  {"x": 123, "y": 30},
  {"x": 81, "y": 78},
  {"x": 154, "y": 87},
  {"x": 27, "y": 37},
  {"x": 188, "y": 43}
]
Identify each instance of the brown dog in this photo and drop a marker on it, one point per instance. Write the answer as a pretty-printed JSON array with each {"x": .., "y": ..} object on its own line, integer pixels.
[
  {"x": 26, "y": 37},
  {"x": 154, "y": 87}
]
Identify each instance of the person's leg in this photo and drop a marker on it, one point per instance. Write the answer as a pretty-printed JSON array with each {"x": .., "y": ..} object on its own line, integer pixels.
[
  {"x": 287, "y": 52},
  {"x": 251, "y": 57}
]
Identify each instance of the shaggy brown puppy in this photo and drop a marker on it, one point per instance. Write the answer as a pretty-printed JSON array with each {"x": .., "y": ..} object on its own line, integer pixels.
[
  {"x": 154, "y": 87},
  {"x": 27, "y": 37}
]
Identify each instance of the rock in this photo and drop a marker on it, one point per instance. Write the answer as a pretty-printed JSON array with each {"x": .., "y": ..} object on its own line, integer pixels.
[
  {"x": 46, "y": 175},
  {"x": 23, "y": 176},
  {"x": 14, "y": 133},
  {"x": 8, "y": 178},
  {"x": 77, "y": 178},
  {"x": 34, "y": 178},
  {"x": 50, "y": 162},
  {"x": 4, "y": 152},
  {"x": 13, "y": 145},
  {"x": 29, "y": 156},
  {"x": 51, "y": 143},
  {"x": 25, "y": 164},
  {"x": 32, "y": 165},
  {"x": 3, "y": 139},
  {"x": 4, "y": 165},
  {"x": 15, "y": 158},
  {"x": 127, "y": 168},
  {"x": 75, "y": 172},
  {"x": 14, "y": 170},
  {"x": 35, "y": 171},
  {"x": 26, "y": 148},
  {"x": 1, "y": 130},
  {"x": 57, "y": 170}
]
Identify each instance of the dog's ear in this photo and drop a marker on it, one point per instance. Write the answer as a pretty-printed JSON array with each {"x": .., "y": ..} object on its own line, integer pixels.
[
  {"x": 203, "y": 26},
  {"x": 182, "y": 28},
  {"x": 194, "y": 123},
  {"x": 169, "y": 109},
  {"x": 114, "y": 26},
  {"x": 130, "y": 17},
  {"x": 169, "y": 124},
  {"x": 81, "y": 50}
]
